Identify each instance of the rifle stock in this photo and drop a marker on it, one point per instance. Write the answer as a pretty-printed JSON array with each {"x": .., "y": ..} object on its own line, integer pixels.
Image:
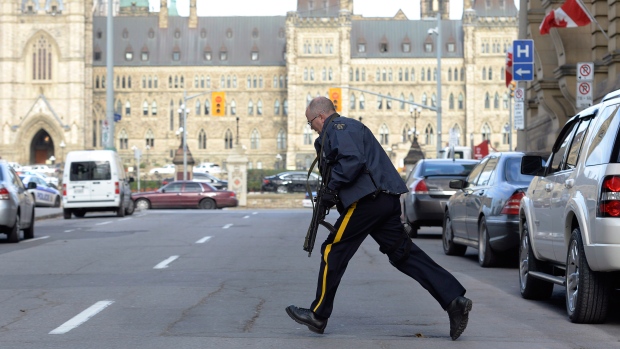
[{"x": 318, "y": 218}]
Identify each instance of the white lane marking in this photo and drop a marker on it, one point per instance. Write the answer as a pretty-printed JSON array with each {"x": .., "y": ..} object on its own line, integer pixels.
[
  {"x": 227, "y": 226},
  {"x": 246, "y": 217},
  {"x": 124, "y": 219},
  {"x": 254, "y": 212},
  {"x": 104, "y": 223},
  {"x": 35, "y": 239},
  {"x": 203, "y": 240},
  {"x": 81, "y": 317},
  {"x": 68, "y": 231},
  {"x": 164, "y": 264}
]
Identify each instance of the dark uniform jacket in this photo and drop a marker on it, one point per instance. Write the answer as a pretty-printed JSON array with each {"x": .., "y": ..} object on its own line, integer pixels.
[{"x": 360, "y": 166}]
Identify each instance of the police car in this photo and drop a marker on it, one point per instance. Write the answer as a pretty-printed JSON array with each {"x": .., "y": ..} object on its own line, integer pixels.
[{"x": 44, "y": 194}]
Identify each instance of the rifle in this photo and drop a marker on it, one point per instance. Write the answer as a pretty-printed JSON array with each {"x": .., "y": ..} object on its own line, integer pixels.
[{"x": 319, "y": 211}]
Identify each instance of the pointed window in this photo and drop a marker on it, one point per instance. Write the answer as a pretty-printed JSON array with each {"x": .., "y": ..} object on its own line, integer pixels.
[
  {"x": 451, "y": 102},
  {"x": 154, "y": 108},
  {"x": 42, "y": 60},
  {"x": 145, "y": 108},
  {"x": 202, "y": 139},
  {"x": 281, "y": 140},
  {"x": 254, "y": 139},
  {"x": 276, "y": 107},
  {"x": 228, "y": 139},
  {"x": 429, "y": 137},
  {"x": 128, "y": 108},
  {"x": 123, "y": 142},
  {"x": 250, "y": 108},
  {"x": 285, "y": 107},
  {"x": 362, "y": 102},
  {"x": 307, "y": 135},
  {"x": 384, "y": 135},
  {"x": 486, "y": 132},
  {"x": 352, "y": 102},
  {"x": 233, "y": 107},
  {"x": 461, "y": 101},
  {"x": 150, "y": 138}
]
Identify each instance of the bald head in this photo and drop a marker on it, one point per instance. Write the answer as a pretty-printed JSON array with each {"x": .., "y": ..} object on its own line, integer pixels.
[{"x": 321, "y": 105}]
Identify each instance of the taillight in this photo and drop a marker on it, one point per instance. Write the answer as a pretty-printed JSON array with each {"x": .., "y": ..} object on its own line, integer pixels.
[
  {"x": 265, "y": 181},
  {"x": 512, "y": 205},
  {"x": 4, "y": 194},
  {"x": 609, "y": 201},
  {"x": 117, "y": 189},
  {"x": 232, "y": 194},
  {"x": 419, "y": 187},
  {"x": 64, "y": 190}
]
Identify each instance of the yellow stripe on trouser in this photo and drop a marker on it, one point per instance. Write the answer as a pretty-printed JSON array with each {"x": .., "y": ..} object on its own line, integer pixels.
[{"x": 328, "y": 248}]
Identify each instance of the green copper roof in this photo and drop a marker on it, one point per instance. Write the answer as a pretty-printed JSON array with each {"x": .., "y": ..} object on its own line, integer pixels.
[
  {"x": 139, "y": 3},
  {"x": 172, "y": 8}
]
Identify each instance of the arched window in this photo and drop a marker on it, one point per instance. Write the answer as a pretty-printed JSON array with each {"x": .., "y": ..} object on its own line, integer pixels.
[
  {"x": 171, "y": 115},
  {"x": 402, "y": 104},
  {"x": 228, "y": 139},
  {"x": 357, "y": 74},
  {"x": 150, "y": 138},
  {"x": 384, "y": 135},
  {"x": 275, "y": 81},
  {"x": 400, "y": 74},
  {"x": 259, "y": 107},
  {"x": 390, "y": 74},
  {"x": 487, "y": 101},
  {"x": 207, "y": 105},
  {"x": 424, "y": 98},
  {"x": 411, "y": 98},
  {"x": 406, "y": 136},
  {"x": 422, "y": 75},
  {"x": 42, "y": 59},
  {"x": 285, "y": 107},
  {"x": 490, "y": 73},
  {"x": 457, "y": 130},
  {"x": 330, "y": 74},
  {"x": 143, "y": 82},
  {"x": 506, "y": 134},
  {"x": 276, "y": 107},
  {"x": 484, "y": 73},
  {"x": 379, "y": 102},
  {"x": 406, "y": 74},
  {"x": 506, "y": 100},
  {"x": 462, "y": 74},
  {"x": 362, "y": 102},
  {"x": 154, "y": 108},
  {"x": 434, "y": 74},
  {"x": 429, "y": 137},
  {"x": 145, "y": 108},
  {"x": 378, "y": 75},
  {"x": 233, "y": 107},
  {"x": 123, "y": 142},
  {"x": 281, "y": 140},
  {"x": 450, "y": 74},
  {"x": 412, "y": 74},
  {"x": 384, "y": 75},
  {"x": 451, "y": 102},
  {"x": 308, "y": 99},
  {"x": 202, "y": 139},
  {"x": 305, "y": 74},
  {"x": 352, "y": 102},
  {"x": 363, "y": 74},
  {"x": 307, "y": 134},
  {"x": 486, "y": 132},
  {"x": 496, "y": 101},
  {"x": 433, "y": 100},
  {"x": 311, "y": 74},
  {"x": 250, "y": 108},
  {"x": 198, "y": 107},
  {"x": 461, "y": 104},
  {"x": 324, "y": 74},
  {"x": 456, "y": 74},
  {"x": 150, "y": 82},
  {"x": 388, "y": 102},
  {"x": 254, "y": 139},
  {"x": 128, "y": 108}
]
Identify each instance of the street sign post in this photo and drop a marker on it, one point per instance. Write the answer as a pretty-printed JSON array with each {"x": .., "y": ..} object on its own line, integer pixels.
[
  {"x": 585, "y": 77},
  {"x": 523, "y": 60}
]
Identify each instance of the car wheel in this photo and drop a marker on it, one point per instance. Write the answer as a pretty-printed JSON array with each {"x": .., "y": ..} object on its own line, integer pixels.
[
  {"x": 29, "y": 232},
  {"x": 12, "y": 234},
  {"x": 447, "y": 236},
  {"x": 130, "y": 208},
  {"x": 66, "y": 213},
  {"x": 143, "y": 204},
  {"x": 57, "y": 202},
  {"x": 531, "y": 287},
  {"x": 79, "y": 213},
  {"x": 120, "y": 211},
  {"x": 587, "y": 291},
  {"x": 486, "y": 256},
  {"x": 282, "y": 189},
  {"x": 207, "y": 204}
]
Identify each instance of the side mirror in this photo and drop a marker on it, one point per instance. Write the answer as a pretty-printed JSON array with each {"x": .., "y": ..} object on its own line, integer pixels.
[
  {"x": 457, "y": 184},
  {"x": 32, "y": 185},
  {"x": 131, "y": 180},
  {"x": 532, "y": 165}
]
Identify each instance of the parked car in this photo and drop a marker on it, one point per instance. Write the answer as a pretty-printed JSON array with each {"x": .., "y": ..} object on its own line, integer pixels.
[
  {"x": 51, "y": 180},
  {"x": 40, "y": 168},
  {"x": 44, "y": 194},
  {"x": 207, "y": 167},
  {"x": 292, "y": 181},
  {"x": 166, "y": 169},
  {"x": 186, "y": 194},
  {"x": 16, "y": 166},
  {"x": 484, "y": 212},
  {"x": 428, "y": 184},
  {"x": 219, "y": 184},
  {"x": 570, "y": 215},
  {"x": 307, "y": 201},
  {"x": 16, "y": 205}
]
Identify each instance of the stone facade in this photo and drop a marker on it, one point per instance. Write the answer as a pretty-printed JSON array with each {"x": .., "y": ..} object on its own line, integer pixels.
[{"x": 320, "y": 52}]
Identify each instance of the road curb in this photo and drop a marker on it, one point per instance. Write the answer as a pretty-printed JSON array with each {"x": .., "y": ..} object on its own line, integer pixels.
[{"x": 49, "y": 216}]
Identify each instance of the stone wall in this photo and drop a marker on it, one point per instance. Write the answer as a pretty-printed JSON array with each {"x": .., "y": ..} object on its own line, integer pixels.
[{"x": 274, "y": 201}]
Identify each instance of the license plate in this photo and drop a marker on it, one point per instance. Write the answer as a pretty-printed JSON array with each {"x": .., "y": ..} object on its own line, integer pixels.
[{"x": 78, "y": 190}]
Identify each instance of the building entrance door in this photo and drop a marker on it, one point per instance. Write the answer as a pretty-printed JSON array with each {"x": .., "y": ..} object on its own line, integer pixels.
[{"x": 41, "y": 148}]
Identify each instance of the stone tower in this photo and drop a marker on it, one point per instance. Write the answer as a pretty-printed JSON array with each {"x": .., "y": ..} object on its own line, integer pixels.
[{"x": 429, "y": 8}]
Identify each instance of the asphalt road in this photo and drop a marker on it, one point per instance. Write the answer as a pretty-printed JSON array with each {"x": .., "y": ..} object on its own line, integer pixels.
[{"x": 221, "y": 279}]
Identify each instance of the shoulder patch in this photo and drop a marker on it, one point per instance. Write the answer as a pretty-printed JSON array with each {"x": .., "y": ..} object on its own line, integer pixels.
[{"x": 339, "y": 126}]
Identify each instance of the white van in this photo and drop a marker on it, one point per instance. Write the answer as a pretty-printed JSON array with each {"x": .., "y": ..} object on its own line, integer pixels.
[
  {"x": 95, "y": 180},
  {"x": 457, "y": 152}
]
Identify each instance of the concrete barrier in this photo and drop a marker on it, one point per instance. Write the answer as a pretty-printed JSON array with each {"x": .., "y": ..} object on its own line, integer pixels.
[{"x": 272, "y": 200}]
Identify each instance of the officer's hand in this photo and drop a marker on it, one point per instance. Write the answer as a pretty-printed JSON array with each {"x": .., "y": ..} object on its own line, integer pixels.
[{"x": 328, "y": 199}]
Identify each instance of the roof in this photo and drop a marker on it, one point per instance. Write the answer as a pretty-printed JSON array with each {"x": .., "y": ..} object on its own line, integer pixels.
[{"x": 495, "y": 8}]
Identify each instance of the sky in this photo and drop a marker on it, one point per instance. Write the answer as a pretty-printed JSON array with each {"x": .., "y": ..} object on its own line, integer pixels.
[{"x": 366, "y": 8}]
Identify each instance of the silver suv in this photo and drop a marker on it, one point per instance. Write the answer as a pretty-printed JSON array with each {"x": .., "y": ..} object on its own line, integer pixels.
[
  {"x": 16, "y": 205},
  {"x": 570, "y": 215}
]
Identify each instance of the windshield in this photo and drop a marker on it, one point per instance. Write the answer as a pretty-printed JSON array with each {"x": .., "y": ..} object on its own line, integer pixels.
[
  {"x": 513, "y": 172},
  {"x": 90, "y": 171}
]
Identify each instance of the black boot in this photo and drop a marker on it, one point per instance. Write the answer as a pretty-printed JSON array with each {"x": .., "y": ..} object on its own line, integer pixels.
[
  {"x": 458, "y": 310},
  {"x": 307, "y": 317}
]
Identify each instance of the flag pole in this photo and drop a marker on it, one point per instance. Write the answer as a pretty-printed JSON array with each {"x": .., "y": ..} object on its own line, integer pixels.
[{"x": 583, "y": 6}]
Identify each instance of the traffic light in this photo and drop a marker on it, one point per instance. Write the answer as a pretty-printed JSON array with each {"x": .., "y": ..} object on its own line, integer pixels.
[
  {"x": 218, "y": 103},
  {"x": 512, "y": 86},
  {"x": 335, "y": 94}
]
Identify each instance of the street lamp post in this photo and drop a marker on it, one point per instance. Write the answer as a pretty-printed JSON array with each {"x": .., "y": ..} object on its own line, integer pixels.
[
  {"x": 415, "y": 114},
  {"x": 438, "y": 48},
  {"x": 184, "y": 110}
]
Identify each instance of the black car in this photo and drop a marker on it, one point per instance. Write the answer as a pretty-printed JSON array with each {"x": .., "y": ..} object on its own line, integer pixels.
[
  {"x": 292, "y": 181},
  {"x": 428, "y": 184},
  {"x": 484, "y": 212}
]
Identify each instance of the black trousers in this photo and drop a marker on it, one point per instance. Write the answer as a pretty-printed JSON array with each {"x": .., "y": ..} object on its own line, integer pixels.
[{"x": 379, "y": 218}]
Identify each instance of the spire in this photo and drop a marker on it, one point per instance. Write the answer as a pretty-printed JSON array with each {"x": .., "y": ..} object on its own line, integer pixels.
[
  {"x": 163, "y": 14},
  {"x": 193, "y": 14}
]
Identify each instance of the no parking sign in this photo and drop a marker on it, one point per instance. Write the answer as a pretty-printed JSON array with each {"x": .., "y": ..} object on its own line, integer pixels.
[{"x": 585, "y": 76}]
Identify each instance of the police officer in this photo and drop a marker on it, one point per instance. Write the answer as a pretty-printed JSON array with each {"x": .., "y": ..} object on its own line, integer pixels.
[{"x": 365, "y": 187}]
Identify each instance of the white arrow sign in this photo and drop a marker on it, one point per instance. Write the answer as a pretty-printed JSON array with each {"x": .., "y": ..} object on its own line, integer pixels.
[{"x": 523, "y": 71}]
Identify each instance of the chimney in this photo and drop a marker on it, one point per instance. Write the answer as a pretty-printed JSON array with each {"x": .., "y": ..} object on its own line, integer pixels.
[
  {"x": 193, "y": 15},
  {"x": 163, "y": 14}
]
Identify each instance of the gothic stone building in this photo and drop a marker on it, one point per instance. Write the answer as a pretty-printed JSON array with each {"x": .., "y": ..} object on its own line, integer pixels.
[{"x": 53, "y": 78}]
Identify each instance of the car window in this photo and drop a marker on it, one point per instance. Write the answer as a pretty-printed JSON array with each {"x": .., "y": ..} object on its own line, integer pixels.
[
  {"x": 447, "y": 169},
  {"x": 192, "y": 187},
  {"x": 601, "y": 143},
  {"x": 90, "y": 171},
  {"x": 575, "y": 147},
  {"x": 475, "y": 172},
  {"x": 557, "y": 161},
  {"x": 15, "y": 179},
  {"x": 173, "y": 187},
  {"x": 486, "y": 175},
  {"x": 513, "y": 171}
]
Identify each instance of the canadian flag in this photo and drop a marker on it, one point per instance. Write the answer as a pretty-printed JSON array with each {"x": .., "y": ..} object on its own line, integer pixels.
[
  {"x": 508, "y": 66},
  {"x": 570, "y": 14}
]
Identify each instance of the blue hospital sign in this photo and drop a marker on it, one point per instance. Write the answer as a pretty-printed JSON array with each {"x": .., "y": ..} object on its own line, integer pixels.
[{"x": 523, "y": 60}]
